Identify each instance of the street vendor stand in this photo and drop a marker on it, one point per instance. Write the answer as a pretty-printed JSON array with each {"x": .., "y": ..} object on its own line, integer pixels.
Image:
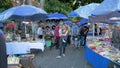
[
  {"x": 101, "y": 54},
  {"x": 93, "y": 55},
  {"x": 23, "y": 49}
]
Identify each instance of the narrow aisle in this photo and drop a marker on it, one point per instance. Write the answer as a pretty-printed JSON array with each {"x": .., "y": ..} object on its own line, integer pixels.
[{"x": 74, "y": 59}]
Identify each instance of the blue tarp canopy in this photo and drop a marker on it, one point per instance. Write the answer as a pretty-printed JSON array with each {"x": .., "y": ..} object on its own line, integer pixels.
[
  {"x": 57, "y": 16},
  {"x": 107, "y": 6},
  {"x": 1, "y": 24},
  {"x": 85, "y": 11},
  {"x": 110, "y": 18},
  {"x": 68, "y": 22},
  {"x": 82, "y": 22}
]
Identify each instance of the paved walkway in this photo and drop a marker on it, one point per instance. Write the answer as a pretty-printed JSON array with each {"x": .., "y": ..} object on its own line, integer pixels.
[{"x": 74, "y": 59}]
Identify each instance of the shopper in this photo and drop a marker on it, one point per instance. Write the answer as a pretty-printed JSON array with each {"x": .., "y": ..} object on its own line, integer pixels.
[
  {"x": 97, "y": 30},
  {"x": 40, "y": 32},
  {"x": 63, "y": 32},
  {"x": 116, "y": 37},
  {"x": 3, "y": 55},
  {"x": 56, "y": 34},
  {"x": 74, "y": 33},
  {"x": 83, "y": 34}
]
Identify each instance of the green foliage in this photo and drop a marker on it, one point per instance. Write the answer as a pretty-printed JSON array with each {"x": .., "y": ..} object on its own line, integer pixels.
[
  {"x": 2, "y": 9},
  {"x": 74, "y": 19},
  {"x": 5, "y": 4},
  {"x": 52, "y": 6},
  {"x": 79, "y": 2}
]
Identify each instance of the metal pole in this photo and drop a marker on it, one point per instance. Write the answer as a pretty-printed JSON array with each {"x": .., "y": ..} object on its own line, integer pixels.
[{"x": 93, "y": 29}]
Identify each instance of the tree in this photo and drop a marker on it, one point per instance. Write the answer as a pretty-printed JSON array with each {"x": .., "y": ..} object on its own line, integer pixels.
[
  {"x": 77, "y": 3},
  {"x": 52, "y": 6},
  {"x": 5, "y": 4}
]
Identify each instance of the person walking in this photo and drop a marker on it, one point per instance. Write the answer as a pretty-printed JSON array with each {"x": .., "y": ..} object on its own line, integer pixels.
[
  {"x": 74, "y": 34},
  {"x": 63, "y": 32},
  {"x": 83, "y": 34}
]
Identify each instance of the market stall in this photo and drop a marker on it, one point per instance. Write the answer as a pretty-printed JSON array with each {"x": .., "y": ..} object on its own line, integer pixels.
[
  {"x": 23, "y": 47},
  {"x": 19, "y": 51},
  {"x": 100, "y": 54}
]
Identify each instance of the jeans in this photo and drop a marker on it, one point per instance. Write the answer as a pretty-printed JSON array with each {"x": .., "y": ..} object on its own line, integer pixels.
[
  {"x": 82, "y": 41},
  {"x": 76, "y": 40},
  {"x": 62, "y": 47},
  {"x": 68, "y": 39},
  {"x": 57, "y": 42}
]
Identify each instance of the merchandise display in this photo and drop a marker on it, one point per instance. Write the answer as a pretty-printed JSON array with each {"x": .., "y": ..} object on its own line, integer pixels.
[{"x": 103, "y": 47}]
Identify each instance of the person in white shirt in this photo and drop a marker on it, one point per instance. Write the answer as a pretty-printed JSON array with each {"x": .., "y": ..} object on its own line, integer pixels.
[{"x": 40, "y": 32}]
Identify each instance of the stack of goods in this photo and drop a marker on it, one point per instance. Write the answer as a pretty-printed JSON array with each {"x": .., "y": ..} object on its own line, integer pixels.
[{"x": 13, "y": 62}]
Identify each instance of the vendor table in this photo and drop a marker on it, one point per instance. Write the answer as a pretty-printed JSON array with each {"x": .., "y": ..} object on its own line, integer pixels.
[
  {"x": 95, "y": 59},
  {"x": 23, "y": 47}
]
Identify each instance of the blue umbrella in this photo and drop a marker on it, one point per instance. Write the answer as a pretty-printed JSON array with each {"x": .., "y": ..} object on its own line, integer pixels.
[
  {"x": 1, "y": 24},
  {"x": 82, "y": 22},
  {"x": 57, "y": 16},
  {"x": 23, "y": 12},
  {"x": 68, "y": 22},
  {"x": 72, "y": 14}
]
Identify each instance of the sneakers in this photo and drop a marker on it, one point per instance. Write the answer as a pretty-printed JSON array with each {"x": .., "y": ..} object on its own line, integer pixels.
[
  {"x": 63, "y": 55},
  {"x": 58, "y": 57}
]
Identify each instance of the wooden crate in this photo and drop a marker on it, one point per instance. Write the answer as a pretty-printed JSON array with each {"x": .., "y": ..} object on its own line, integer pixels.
[{"x": 27, "y": 61}]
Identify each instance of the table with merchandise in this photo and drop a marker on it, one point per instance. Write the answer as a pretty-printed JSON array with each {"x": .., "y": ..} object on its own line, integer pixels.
[{"x": 101, "y": 53}]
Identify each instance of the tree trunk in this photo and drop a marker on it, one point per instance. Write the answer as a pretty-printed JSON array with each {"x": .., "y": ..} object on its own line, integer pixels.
[
  {"x": 42, "y": 4},
  {"x": 29, "y": 2}
]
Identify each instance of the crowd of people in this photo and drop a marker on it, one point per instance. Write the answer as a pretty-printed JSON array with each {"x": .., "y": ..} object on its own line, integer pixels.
[{"x": 61, "y": 35}]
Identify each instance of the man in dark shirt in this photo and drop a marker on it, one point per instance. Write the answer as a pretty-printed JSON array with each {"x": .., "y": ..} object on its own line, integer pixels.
[
  {"x": 3, "y": 56},
  {"x": 83, "y": 33}
]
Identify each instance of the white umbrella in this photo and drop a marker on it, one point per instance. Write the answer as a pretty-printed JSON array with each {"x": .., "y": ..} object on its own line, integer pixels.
[
  {"x": 107, "y": 6},
  {"x": 85, "y": 11}
]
